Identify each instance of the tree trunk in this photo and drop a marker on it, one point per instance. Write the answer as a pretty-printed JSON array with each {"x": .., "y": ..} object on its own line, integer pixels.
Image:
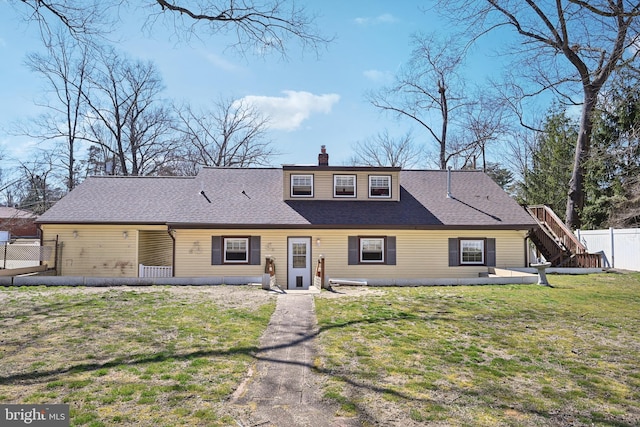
[
  {"x": 575, "y": 197},
  {"x": 445, "y": 122}
]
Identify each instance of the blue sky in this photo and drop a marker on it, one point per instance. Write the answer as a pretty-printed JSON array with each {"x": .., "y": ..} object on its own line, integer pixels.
[{"x": 312, "y": 101}]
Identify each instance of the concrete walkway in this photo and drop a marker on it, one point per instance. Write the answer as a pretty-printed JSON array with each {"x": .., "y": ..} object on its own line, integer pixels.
[{"x": 284, "y": 391}]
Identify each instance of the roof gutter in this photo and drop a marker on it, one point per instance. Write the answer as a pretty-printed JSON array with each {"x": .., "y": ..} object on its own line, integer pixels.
[{"x": 209, "y": 226}]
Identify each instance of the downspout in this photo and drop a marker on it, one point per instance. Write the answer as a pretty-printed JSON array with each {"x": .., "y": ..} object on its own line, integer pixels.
[
  {"x": 173, "y": 251},
  {"x": 56, "y": 258}
]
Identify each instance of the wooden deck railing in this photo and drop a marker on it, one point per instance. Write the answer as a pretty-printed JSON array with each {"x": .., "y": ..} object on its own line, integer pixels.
[
  {"x": 557, "y": 243},
  {"x": 545, "y": 215}
]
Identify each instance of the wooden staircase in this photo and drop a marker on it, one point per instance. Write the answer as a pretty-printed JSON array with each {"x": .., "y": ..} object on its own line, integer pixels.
[{"x": 557, "y": 243}]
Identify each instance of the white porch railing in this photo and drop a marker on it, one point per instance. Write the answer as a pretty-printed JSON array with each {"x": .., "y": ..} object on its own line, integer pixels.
[{"x": 154, "y": 271}]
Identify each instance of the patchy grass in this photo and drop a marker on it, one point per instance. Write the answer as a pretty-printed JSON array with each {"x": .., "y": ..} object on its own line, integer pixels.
[
  {"x": 521, "y": 355},
  {"x": 155, "y": 356}
]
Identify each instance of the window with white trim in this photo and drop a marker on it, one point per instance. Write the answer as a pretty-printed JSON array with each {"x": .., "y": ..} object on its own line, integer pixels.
[
  {"x": 301, "y": 185},
  {"x": 236, "y": 250},
  {"x": 380, "y": 186},
  {"x": 344, "y": 186},
  {"x": 372, "y": 249},
  {"x": 471, "y": 251}
]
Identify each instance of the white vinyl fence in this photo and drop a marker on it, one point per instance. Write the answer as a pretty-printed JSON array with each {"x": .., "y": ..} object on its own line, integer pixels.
[{"x": 620, "y": 247}]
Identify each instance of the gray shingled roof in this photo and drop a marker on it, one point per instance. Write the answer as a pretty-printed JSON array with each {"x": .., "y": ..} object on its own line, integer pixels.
[{"x": 477, "y": 202}]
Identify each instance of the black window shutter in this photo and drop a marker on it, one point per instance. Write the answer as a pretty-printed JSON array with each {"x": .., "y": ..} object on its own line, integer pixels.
[
  {"x": 216, "y": 250},
  {"x": 491, "y": 252},
  {"x": 454, "y": 257},
  {"x": 254, "y": 256},
  {"x": 354, "y": 257},
  {"x": 391, "y": 250}
]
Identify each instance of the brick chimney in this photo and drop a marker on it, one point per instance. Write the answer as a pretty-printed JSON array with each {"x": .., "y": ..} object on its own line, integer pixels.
[{"x": 323, "y": 157}]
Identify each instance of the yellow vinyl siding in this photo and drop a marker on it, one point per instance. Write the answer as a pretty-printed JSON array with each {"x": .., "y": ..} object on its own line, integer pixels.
[
  {"x": 98, "y": 250},
  {"x": 323, "y": 184},
  {"x": 95, "y": 250},
  {"x": 193, "y": 254},
  {"x": 419, "y": 253},
  {"x": 102, "y": 250}
]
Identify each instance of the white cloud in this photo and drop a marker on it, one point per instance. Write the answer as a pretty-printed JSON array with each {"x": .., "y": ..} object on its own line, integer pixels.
[
  {"x": 289, "y": 111},
  {"x": 378, "y": 76},
  {"x": 385, "y": 18}
]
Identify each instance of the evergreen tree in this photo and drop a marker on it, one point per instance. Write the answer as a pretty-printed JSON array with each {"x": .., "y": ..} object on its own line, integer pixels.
[
  {"x": 547, "y": 181},
  {"x": 614, "y": 165},
  {"x": 502, "y": 176}
]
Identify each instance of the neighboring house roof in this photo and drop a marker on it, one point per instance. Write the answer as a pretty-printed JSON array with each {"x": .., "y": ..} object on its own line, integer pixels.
[
  {"x": 11, "y": 213},
  {"x": 17, "y": 222},
  {"x": 254, "y": 198}
]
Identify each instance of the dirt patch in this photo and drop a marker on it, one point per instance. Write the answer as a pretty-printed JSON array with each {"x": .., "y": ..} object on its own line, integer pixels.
[
  {"x": 225, "y": 296},
  {"x": 340, "y": 291}
]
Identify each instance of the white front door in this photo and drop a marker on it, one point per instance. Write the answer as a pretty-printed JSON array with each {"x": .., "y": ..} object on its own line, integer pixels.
[{"x": 299, "y": 263}]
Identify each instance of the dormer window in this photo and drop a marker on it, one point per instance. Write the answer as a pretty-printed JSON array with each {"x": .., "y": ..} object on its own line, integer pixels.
[
  {"x": 380, "y": 186},
  {"x": 301, "y": 185},
  {"x": 344, "y": 186}
]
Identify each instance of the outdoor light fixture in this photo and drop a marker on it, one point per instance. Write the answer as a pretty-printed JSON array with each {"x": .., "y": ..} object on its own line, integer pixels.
[
  {"x": 75, "y": 234},
  {"x": 318, "y": 241},
  {"x": 125, "y": 234}
]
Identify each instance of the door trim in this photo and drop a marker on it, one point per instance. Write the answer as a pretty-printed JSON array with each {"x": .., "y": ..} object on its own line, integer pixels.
[{"x": 308, "y": 274}]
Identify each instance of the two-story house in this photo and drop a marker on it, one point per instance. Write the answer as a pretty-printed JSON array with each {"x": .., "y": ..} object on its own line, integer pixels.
[{"x": 382, "y": 224}]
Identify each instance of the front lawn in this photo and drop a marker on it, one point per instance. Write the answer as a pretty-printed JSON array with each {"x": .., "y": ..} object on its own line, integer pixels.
[
  {"x": 521, "y": 355},
  {"x": 152, "y": 356}
]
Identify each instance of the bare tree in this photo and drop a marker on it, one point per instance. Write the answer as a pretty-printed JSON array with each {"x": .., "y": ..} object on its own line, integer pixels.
[
  {"x": 126, "y": 115},
  {"x": 483, "y": 122},
  {"x": 569, "y": 47},
  {"x": 258, "y": 26},
  {"x": 82, "y": 18},
  {"x": 36, "y": 190},
  {"x": 64, "y": 67},
  {"x": 428, "y": 86},
  {"x": 384, "y": 150},
  {"x": 232, "y": 134}
]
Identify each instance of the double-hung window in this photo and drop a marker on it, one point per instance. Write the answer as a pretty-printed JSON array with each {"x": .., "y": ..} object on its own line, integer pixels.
[
  {"x": 344, "y": 186},
  {"x": 372, "y": 249},
  {"x": 236, "y": 250},
  {"x": 301, "y": 185},
  {"x": 380, "y": 186},
  {"x": 471, "y": 251},
  {"x": 369, "y": 250}
]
